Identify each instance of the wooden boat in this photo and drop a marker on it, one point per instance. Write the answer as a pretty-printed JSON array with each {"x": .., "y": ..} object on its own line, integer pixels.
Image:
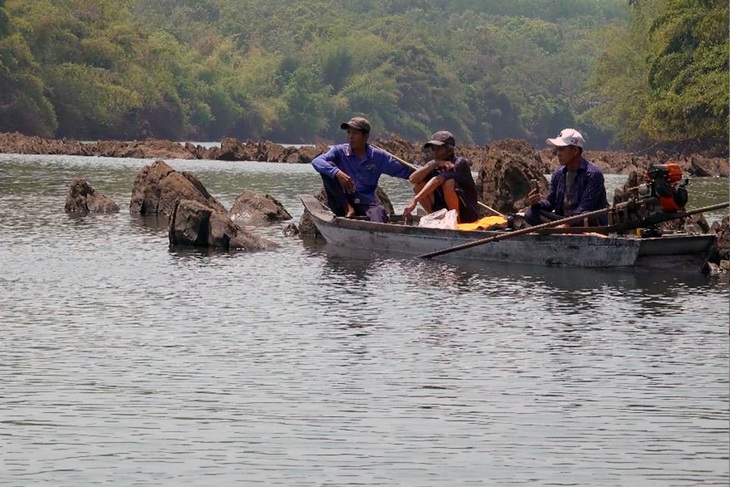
[{"x": 595, "y": 250}]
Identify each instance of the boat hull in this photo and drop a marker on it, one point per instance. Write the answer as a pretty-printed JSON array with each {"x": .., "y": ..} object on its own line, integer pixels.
[{"x": 565, "y": 250}]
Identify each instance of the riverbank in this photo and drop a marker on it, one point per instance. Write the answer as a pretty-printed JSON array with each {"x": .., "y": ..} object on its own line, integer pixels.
[{"x": 231, "y": 149}]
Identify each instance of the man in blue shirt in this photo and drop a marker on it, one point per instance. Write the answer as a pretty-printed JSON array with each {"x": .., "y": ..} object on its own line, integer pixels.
[
  {"x": 576, "y": 187},
  {"x": 350, "y": 173}
]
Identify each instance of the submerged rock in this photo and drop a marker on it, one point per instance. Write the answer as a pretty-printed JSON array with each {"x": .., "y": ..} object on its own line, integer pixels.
[
  {"x": 252, "y": 207},
  {"x": 83, "y": 199},
  {"x": 291, "y": 230},
  {"x": 722, "y": 249},
  {"x": 195, "y": 224}
]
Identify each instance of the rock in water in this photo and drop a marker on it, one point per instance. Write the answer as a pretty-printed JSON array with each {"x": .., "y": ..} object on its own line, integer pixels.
[
  {"x": 507, "y": 174},
  {"x": 251, "y": 207},
  {"x": 158, "y": 187},
  {"x": 84, "y": 199},
  {"x": 194, "y": 224}
]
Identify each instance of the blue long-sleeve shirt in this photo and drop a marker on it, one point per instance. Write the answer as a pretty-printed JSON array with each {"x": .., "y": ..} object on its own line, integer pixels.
[
  {"x": 365, "y": 172},
  {"x": 587, "y": 194}
]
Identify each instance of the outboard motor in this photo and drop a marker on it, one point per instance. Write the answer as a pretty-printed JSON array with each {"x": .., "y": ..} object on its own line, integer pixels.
[{"x": 664, "y": 182}]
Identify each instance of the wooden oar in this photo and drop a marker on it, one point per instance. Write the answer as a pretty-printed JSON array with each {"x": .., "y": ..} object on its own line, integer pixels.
[
  {"x": 516, "y": 233},
  {"x": 414, "y": 168},
  {"x": 491, "y": 209},
  {"x": 405, "y": 163}
]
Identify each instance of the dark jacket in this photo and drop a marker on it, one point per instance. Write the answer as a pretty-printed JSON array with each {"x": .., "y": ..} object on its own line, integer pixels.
[{"x": 588, "y": 192}]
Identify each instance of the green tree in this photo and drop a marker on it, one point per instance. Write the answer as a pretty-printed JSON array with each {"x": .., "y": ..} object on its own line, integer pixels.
[
  {"x": 88, "y": 101},
  {"x": 23, "y": 106},
  {"x": 4, "y": 22},
  {"x": 306, "y": 105},
  {"x": 664, "y": 77},
  {"x": 278, "y": 69},
  {"x": 375, "y": 94},
  {"x": 688, "y": 72}
]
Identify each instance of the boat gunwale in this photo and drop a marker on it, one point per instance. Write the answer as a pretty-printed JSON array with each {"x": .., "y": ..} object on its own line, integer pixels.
[
  {"x": 696, "y": 246},
  {"x": 324, "y": 215}
]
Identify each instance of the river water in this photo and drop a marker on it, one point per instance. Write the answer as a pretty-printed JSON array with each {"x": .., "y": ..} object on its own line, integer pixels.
[{"x": 124, "y": 363}]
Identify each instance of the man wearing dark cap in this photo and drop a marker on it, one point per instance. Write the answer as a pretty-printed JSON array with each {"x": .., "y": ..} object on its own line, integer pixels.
[
  {"x": 577, "y": 186},
  {"x": 350, "y": 173},
  {"x": 445, "y": 182}
]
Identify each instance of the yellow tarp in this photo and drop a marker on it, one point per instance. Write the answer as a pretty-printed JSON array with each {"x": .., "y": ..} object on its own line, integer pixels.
[{"x": 483, "y": 223}]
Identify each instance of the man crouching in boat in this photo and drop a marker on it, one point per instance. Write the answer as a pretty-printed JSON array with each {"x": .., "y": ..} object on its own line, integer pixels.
[
  {"x": 445, "y": 182},
  {"x": 350, "y": 173},
  {"x": 576, "y": 187}
]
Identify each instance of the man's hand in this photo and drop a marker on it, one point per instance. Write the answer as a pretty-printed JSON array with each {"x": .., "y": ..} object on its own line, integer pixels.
[
  {"x": 534, "y": 197},
  {"x": 408, "y": 210},
  {"x": 348, "y": 185},
  {"x": 443, "y": 165}
]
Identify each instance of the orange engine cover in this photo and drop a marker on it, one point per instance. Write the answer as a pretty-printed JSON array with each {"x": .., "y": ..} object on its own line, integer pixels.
[
  {"x": 665, "y": 179},
  {"x": 668, "y": 203},
  {"x": 675, "y": 172}
]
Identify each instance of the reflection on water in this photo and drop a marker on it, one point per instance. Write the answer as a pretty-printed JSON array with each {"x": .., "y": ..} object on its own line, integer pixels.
[
  {"x": 150, "y": 224},
  {"x": 124, "y": 362}
]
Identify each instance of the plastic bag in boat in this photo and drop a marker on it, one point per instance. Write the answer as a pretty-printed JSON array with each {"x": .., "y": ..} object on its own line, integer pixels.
[{"x": 446, "y": 219}]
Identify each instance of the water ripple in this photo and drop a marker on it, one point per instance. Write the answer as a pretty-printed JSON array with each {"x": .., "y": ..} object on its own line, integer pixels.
[{"x": 123, "y": 362}]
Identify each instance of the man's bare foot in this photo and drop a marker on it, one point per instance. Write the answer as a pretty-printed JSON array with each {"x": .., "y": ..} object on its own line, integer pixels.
[{"x": 349, "y": 212}]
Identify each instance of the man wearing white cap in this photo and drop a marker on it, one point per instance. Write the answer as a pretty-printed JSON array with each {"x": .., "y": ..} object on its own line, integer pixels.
[{"x": 576, "y": 187}]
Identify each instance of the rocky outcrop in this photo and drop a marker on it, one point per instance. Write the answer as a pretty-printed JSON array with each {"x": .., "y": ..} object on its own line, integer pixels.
[
  {"x": 610, "y": 162},
  {"x": 82, "y": 199},
  {"x": 408, "y": 151},
  {"x": 722, "y": 230},
  {"x": 195, "y": 224},
  {"x": 693, "y": 225},
  {"x": 629, "y": 190},
  {"x": 232, "y": 149},
  {"x": 147, "y": 149},
  {"x": 719, "y": 260},
  {"x": 15, "y": 143},
  {"x": 509, "y": 170},
  {"x": 252, "y": 207},
  {"x": 625, "y": 163},
  {"x": 158, "y": 187},
  {"x": 707, "y": 167}
]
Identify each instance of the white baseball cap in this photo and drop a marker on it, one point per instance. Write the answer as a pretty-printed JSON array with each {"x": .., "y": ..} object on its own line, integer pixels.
[{"x": 567, "y": 137}]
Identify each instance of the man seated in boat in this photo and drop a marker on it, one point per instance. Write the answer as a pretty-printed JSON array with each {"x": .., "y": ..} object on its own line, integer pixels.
[
  {"x": 445, "y": 182},
  {"x": 350, "y": 173},
  {"x": 577, "y": 186}
]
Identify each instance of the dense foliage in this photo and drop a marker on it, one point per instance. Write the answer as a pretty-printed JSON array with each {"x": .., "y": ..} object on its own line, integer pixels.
[
  {"x": 664, "y": 78},
  {"x": 290, "y": 70}
]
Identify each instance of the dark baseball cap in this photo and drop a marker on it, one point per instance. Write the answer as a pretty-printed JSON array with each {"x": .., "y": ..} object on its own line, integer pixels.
[
  {"x": 440, "y": 138},
  {"x": 357, "y": 123}
]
